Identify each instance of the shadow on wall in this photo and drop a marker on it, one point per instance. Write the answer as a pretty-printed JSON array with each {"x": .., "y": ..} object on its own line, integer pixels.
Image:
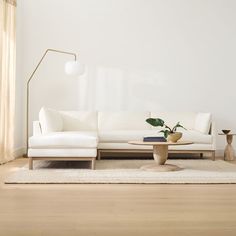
[{"x": 107, "y": 88}]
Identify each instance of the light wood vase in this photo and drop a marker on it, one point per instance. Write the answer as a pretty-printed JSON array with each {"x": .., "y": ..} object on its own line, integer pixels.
[{"x": 174, "y": 137}]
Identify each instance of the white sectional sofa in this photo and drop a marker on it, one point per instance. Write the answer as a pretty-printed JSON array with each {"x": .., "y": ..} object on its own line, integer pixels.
[{"x": 85, "y": 135}]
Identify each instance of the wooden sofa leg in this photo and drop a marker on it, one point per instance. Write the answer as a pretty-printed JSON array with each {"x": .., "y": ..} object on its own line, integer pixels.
[
  {"x": 93, "y": 163},
  {"x": 201, "y": 155},
  {"x": 99, "y": 155},
  {"x": 30, "y": 163}
]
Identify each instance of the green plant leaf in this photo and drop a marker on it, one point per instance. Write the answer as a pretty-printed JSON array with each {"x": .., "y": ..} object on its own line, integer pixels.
[
  {"x": 155, "y": 122},
  {"x": 178, "y": 125},
  {"x": 167, "y": 127},
  {"x": 165, "y": 132}
]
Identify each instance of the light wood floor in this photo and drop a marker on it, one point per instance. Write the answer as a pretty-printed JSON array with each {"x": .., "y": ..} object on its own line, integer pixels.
[{"x": 115, "y": 209}]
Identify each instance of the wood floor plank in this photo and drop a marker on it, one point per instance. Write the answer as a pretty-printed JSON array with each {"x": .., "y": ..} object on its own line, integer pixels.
[{"x": 109, "y": 209}]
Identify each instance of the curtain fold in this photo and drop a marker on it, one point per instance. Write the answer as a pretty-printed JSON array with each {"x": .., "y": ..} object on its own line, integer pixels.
[{"x": 7, "y": 78}]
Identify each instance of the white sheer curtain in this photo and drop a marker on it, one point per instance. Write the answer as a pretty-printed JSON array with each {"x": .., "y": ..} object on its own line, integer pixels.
[{"x": 7, "y": 78}]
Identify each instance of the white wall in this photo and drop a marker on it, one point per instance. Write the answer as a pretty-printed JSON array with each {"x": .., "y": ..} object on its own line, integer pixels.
[{"x": 174, "y": 55}]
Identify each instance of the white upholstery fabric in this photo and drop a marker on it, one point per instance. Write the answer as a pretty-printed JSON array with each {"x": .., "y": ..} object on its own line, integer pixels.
[
  {"x": 123, "y": 136},
  {"x": 195, "y": 146},
  {"x": 36, "y": 128},
  {"x": 80, "y": 133},
  {"x": 80, "y": 139},
  {"x": 50, "y": 120},
  {"x": 123, "y": 120},
  {"x": 187, "y": 119},
  {"x": 128, "y": 146},
  {"x": 125, "y": 146},
  {"x": 60, "y": 152},
  {"x": 79, "y": 120},
  {"x": 213, "y": 133},
  {"x": 203, "y": 122},
  {"x": 196, "y": 137}
]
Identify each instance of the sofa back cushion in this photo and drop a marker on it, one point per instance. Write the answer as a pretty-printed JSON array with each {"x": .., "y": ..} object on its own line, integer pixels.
[
  {"x": 56, "y": 121},
  {"x": 123, "y": 120},
  {"x": 187, "y": 119},
  {"x": 203, "y": 122},
  {"x": 50, "y": 120},
  {"x": 79, "y": 120}
]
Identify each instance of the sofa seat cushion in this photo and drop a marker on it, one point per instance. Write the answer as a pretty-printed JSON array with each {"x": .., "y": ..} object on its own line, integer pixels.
[
  {"x": 123, "y": 136},
  {"x": 80, "y": 139},
  {"x": 62, "y": 152},
  {"x": 196, "y": 137}
]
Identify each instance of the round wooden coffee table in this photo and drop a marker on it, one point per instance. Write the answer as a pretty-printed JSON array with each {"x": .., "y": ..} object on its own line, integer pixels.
[{"x": 160, "y": 154}]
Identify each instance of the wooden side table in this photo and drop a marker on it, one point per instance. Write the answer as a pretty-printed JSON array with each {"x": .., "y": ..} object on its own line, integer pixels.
[{"x": 229, "y": 150}]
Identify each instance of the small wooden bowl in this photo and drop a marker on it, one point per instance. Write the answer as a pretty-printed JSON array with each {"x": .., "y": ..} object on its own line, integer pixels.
[{"x": 225, "y": 131}]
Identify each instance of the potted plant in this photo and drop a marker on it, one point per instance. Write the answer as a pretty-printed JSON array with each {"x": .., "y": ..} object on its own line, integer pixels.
[{"x": 170, "y": 134}]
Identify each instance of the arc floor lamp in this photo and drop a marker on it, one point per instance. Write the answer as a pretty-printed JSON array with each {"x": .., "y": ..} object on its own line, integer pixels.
[{"x": 71, "y": 68}]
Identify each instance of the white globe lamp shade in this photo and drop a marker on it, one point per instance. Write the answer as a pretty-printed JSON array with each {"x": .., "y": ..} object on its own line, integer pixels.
[{"x": 74, "y": 68}]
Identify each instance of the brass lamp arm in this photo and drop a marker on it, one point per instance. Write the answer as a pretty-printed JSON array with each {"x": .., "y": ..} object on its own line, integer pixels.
[
  {"x": 28, "y": 83},
  {"x": 48, "y": 50}
]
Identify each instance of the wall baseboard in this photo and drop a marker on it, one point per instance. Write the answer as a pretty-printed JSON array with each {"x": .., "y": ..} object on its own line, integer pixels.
[
  {"x": 19, "y": 152},
  {"x": 220, "y": 152}
]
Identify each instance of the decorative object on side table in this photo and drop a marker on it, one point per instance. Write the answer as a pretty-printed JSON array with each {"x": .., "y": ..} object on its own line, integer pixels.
[
  {"x": 170, "y": 134},
  {"x": 226, "y": 131},
  {"x": 229, "y": 150}
]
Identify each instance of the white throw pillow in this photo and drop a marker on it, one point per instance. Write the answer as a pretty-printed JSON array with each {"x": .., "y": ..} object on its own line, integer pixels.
[
  {"x": 50, "y": 120},
  {"x": 79, "y": 120},
  {"x": 203, "y": 122}
]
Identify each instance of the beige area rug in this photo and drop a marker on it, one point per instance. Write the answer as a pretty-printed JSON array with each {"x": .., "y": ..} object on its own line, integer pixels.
[{"x": 125, "y": 171}]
